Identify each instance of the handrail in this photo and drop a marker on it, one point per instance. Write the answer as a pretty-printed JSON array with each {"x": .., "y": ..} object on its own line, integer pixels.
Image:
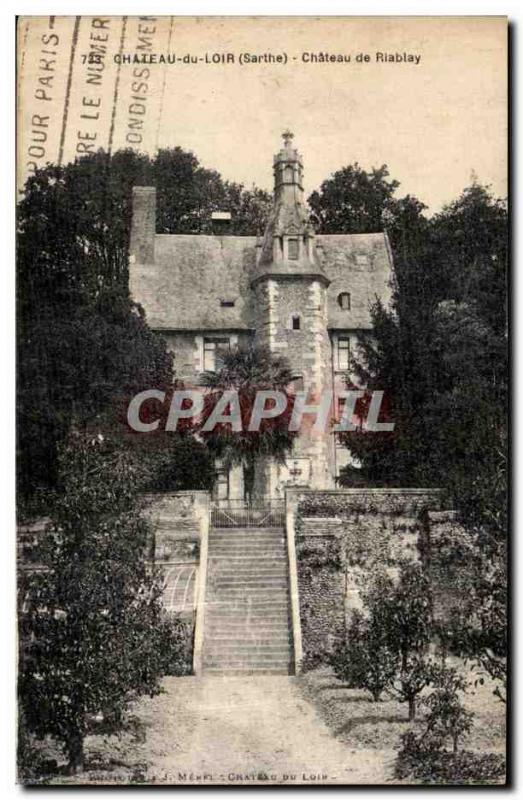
[
  {"x": 293, "y": 586},
  {"x": 200, "y": 596}
]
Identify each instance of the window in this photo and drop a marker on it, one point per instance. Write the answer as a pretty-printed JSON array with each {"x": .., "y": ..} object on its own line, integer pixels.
[
  {"x": 211, "y": 353},
  {"x": 293, "y": 249},
  {"x": 343, "y": 353},
  {"x": 344, "y": 301},
  {"x": 227, "y": 303},
  {"x": 295, "y": 323}
]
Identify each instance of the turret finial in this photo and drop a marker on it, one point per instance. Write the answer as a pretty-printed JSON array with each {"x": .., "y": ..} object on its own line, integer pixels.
[{"x": 287, "y": 137}]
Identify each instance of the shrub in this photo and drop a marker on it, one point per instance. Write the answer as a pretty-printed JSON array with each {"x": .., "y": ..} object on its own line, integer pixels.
[
  {"x": 365, "y": 659},
  {"x": 418, "y": 762},
  {"x": 447, "y": 718},
  {"x": 424, "y": 755}
]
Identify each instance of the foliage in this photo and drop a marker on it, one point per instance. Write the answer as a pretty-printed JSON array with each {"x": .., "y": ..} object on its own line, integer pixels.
[
  {"x": 174, "y": 462},
  {"x": 406, "y": 613},
  {"x": 477, "y": 630},
  {"x": 385, "y": 648},
  {"x": 314, "y": 556},
  {"x": 82, "y": 344},
  {"x": 75, "y": 370},
  {"x": 440, "y": 355},
  {"x": 92, "y": 631},
  {"x": 416, "y": 762},
  {"x": 353, "y": 200},
  {"x": 366, "y": 659},
  {"x": 247, "y": 371},
  {"x": 447, "y": 717},
  {"x": 424, "y": 754}
]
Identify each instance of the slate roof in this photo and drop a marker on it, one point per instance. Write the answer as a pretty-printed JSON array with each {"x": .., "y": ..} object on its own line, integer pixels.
[{"x": 182, "y": 290}]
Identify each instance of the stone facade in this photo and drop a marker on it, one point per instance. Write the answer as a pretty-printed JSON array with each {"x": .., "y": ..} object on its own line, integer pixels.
[{"x": 305, "y": 296}]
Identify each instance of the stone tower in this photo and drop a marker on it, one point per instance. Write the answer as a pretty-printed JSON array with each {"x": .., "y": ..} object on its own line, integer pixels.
[{"x": 290, "y": 301}]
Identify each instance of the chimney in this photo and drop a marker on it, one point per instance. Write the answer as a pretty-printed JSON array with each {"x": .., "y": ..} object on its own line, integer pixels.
[
  {"x": 143, "y": 226},
  {"x": 221, "y": 222}
]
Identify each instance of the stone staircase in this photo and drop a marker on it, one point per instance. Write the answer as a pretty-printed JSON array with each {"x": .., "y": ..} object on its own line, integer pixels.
[{"x": 247, "y": 611}]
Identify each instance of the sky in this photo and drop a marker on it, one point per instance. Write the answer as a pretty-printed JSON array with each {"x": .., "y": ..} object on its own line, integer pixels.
[{"x": 436, "y": 119}]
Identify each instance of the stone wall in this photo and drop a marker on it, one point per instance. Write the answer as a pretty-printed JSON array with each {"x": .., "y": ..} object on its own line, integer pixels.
[
  {"x": 342, "y": 538},
  {"x": 179, "y": 520},
  {"x": 448, "y": 560}
]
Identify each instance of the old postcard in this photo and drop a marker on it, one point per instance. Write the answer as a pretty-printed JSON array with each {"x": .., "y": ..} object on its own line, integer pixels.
[{"x": 262, "y": 400}]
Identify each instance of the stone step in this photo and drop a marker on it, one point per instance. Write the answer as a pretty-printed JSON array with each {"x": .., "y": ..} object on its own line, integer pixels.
[
  {"x": 240, "y": 603},
  {"x": 233, "y": 536},
  {"x": 237, "y": 600},
  {"x": 277, "y": 566},
  {"x": 247, "y": 531},
  {"x": 273, "y": 536},
  {"x": 264, "y": 618},
  {"x": 246, "y": 561},
  {"x": 234, "y": 601},
  {"x": 265, "y": 578},
  {"x": 234, "y": 555},
  {"x": 258, "y": 663},
  {"x": 249, "y": 670},
  {"x": 245, "y": 541},
  {"x": 239, "y": 626},
  {"x": 247, "y": 625},
  {"x": 247, "y": 650},
  {"x": 244, "y": 626},
  {"x": 256, "y": 613},
  {"x": 276, "y": 586},
  {"x": 249, "y": 583},
  {"x": 251, "y": 637}
]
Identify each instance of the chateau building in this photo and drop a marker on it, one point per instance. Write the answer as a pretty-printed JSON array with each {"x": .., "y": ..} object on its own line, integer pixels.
[{"x": 305, "y": 296}]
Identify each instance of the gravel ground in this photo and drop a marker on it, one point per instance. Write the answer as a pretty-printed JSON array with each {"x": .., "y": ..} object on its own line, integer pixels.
[
  {"x": 265, "y": 730},
  {"x": 230, "y": 730}
]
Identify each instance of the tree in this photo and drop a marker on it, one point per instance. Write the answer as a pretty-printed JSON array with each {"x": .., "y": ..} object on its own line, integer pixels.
[
  {"x": 353, "y": 200},
  {"x": 409, "y": 621},
  {"x": 440, "y": 354},
  {"x": 184, "y": 463},
  {"x": 477, "y": 628},
  {"x": 82, "y": 343},
  {"x": 247, "y": 371},
  {"x": 93, "y": 635},
  {"x": 365, "y": 659},
  {"x": 447, "y": 718},
  {"x": 385, "y": 648}
]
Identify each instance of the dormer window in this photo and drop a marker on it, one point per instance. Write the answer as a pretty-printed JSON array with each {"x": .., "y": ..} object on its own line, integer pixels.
[
  {"x": 227, "y": 303},
  {"x": 295, "y": 323},
  {"x": 293, "y": 249},
  {"x": 344, "y": 301}
]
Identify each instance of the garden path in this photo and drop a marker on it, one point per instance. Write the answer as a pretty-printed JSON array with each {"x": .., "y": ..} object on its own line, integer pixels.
[{"x": 224, "y": 729}]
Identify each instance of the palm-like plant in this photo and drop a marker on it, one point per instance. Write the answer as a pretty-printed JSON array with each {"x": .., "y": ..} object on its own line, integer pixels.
[{"x": 247, "y": 370}]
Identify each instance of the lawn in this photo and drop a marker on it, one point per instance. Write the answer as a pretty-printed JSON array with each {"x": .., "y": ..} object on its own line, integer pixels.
[{"x": 361, "y": 724}]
